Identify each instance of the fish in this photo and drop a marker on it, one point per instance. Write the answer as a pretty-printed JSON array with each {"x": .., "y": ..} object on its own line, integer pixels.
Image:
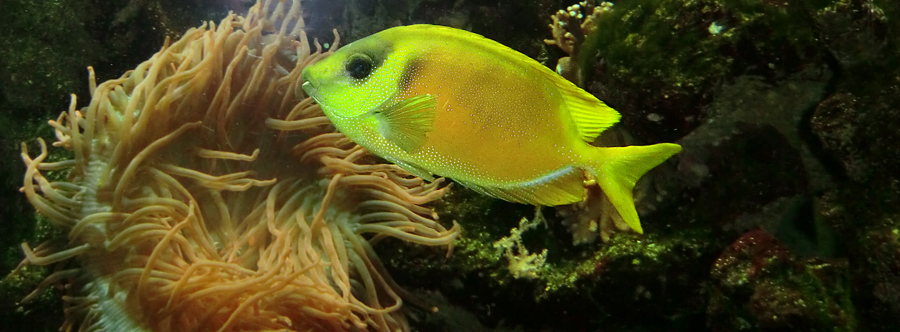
[{"x": 440, "y": 101}]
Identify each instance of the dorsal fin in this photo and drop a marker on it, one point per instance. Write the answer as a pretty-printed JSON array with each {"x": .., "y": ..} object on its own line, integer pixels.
[{"x": 590, "y": 115}]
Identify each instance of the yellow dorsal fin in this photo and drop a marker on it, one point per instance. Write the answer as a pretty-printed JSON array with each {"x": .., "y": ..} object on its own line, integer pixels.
[
  {"x": 590, "y": 115},
  {"x": 408, "y": 122}
]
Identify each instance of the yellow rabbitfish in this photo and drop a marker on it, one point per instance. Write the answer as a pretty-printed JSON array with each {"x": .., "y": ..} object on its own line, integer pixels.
[{"x": 438, "y": 100}]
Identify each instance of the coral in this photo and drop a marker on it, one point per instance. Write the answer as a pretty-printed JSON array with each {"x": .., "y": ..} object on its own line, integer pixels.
[
  {"x": 207, "y": 193},
  {"x": 522, "y": 264},
  {"x": 570, "y": 27},
  {"x": 594, "y": 216}
]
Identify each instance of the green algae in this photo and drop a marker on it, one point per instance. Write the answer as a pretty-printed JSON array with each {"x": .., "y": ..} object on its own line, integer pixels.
[{"x": 691, "y": 45}]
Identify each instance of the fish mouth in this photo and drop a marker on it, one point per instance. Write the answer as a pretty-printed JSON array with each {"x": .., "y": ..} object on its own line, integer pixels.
[
  {"x": 308, "y": 86},
  {"x": 313, "y": 91},
  {"x": 310, "y": 89}
]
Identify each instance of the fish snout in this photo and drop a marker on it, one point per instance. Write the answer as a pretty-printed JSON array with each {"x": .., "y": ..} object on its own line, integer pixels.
[
  {"x": 309, "y": 88},
  {"x": 308, "y": 85}
]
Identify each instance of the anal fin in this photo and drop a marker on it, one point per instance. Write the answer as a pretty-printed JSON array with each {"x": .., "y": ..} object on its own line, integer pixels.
[
  {"x": 563, "y": 186},
  {"x": 416, "y": 170}
]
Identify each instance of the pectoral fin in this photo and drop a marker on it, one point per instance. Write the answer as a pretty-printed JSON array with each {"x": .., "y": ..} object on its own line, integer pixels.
[{"x": 408, "y": 122}]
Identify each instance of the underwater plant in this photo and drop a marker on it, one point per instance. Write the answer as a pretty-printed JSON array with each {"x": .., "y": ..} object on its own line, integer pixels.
[{"x": 206, "y": 192}]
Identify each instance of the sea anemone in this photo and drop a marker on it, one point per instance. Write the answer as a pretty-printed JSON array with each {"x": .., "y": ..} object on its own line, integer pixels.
[{"x": 207, "y": 193}]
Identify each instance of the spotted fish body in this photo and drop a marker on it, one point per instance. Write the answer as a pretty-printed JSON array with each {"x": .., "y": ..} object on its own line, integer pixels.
[{"x": 437, "y": 100}]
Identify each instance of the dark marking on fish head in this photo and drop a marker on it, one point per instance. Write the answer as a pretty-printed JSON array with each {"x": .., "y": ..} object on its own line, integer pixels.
[{"x": 410, "y": 72}]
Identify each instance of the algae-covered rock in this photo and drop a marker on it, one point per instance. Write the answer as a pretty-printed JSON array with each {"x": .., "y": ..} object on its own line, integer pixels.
[
  {"x": 659, "y": 61},
  {"x": 758, "y": 284},
  {"x": 518, "y": 24},
  {"x": 857, "y": 129},
  {"x": 868, "y": 220}
]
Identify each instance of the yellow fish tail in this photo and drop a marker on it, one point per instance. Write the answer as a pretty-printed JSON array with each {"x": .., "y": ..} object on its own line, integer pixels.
[{"x": 617, "y": 169}]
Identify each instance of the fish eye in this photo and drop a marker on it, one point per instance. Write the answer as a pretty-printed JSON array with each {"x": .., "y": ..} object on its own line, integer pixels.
[{"x": 359, "y": 66}]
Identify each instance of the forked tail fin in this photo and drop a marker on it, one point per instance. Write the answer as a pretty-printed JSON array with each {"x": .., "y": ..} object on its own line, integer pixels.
[{"x": 618, "y": 168}]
